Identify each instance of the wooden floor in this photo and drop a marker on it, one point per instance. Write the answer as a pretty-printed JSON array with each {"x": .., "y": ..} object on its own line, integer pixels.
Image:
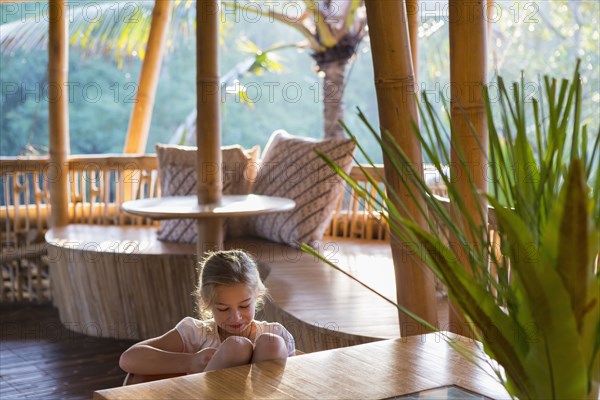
[
  {"x": 322, "y": 307},
  {"x": 39, "y": 358}
]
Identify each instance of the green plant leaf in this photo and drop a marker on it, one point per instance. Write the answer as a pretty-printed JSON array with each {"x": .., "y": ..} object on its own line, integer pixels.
[
  {"x": 573, "y": 265},
  {"x": 557, "y": 371},
  {"x": 510, "y": 344},
  {"x": 543, "y": 299}
]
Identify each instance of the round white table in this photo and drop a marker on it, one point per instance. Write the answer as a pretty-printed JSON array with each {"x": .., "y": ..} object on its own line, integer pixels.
[
  {"x": 210, "y": 216},
  {"x": 187, "y": 207}
]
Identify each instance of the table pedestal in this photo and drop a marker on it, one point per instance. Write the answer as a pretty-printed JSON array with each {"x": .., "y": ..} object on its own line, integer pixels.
[{"x": 211, "y": 233}]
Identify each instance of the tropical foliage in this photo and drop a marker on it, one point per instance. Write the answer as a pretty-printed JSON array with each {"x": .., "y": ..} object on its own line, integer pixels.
[
  {"x": 119, "y": 29},
  {"x": 332, "y": 30},
  {"x": 257, "y": 62},
  {"x": 535, "y": 297},
  {"x": 559, "y": 31}
]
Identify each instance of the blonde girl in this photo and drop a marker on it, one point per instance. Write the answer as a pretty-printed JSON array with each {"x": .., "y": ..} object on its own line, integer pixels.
[{"x": 229, "y": 290}]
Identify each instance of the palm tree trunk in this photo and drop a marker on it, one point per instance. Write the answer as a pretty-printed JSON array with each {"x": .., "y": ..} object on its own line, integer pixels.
[
  {"x": 333, "y": 98},
  {"x": 58, "y": 112},
  {"x": 394, "y": 80}
]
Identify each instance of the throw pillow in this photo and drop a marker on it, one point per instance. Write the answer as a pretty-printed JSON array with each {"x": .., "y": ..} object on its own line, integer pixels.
[
  {"x": 291, "y": 168},
  {"x": 178, "y": 176}
]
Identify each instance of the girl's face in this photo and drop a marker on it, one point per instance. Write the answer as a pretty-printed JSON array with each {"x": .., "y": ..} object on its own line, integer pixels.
[{"x": 233, "y": 309}]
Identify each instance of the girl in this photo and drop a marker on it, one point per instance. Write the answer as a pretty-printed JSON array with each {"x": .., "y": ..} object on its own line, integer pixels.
[{"x": 229, "y": 289}]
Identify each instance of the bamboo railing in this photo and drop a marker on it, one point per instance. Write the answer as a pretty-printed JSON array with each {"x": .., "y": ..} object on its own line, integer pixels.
[{"x": 97, "y": 186}]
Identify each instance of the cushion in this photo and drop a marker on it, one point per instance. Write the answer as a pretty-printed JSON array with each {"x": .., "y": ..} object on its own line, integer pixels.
[
  {"x": 291, "y": 168},
  {"x": 177, "y": 170}
]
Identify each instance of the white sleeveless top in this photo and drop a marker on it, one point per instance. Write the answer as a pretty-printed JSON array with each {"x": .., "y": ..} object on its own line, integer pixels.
[{"x": 197, "y": 335}]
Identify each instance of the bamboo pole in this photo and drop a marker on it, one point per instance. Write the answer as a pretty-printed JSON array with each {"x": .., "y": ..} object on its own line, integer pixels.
[
  {"x": 141, "y": 115},
  {"x": 58, "y": 112},
  {"x": 412, "y": 11},
  {"x": 492, "y": 15},
  {"x": 208, "y": 133},
  {"x": 394, "y": 82},
  {"x": 468, "y": 71},
  {"x": 491, "y": 8}
]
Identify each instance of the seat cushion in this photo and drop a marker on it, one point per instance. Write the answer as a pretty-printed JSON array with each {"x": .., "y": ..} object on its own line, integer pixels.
[{"x": 291, "y": 168}]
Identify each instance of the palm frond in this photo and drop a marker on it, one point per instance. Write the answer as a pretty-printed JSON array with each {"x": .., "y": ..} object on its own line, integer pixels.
[
  {"x": 545, "y": 210},
  {"x": 119, "y": 29}
]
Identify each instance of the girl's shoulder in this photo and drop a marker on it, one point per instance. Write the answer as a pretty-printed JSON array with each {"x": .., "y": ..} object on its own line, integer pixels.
[
  {"x": 189, "y": 322},
  {"x": 197, "y": 334}
]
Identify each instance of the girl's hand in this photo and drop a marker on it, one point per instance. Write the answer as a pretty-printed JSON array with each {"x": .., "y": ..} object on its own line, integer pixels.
[{"x": 201, "y": 359}]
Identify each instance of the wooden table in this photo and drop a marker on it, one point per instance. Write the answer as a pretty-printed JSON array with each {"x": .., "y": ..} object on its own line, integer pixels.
[{"x": 376, "y": 370}]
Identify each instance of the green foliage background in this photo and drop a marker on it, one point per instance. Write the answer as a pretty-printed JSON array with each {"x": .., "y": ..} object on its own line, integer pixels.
[{"x": 541, "y": 37}]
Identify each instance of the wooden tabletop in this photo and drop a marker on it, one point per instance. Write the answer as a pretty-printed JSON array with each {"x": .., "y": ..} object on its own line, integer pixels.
[
  {"x": 376, "y": 370},
  {"x": 188, "y": 207}
]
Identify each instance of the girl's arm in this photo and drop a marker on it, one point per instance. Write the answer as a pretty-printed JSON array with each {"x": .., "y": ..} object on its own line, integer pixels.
[{"x": 163, "y": 355}]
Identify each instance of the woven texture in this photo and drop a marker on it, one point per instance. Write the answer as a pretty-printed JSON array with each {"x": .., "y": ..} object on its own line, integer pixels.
[
  {"x": 177, "y": 167},
  {"x": 291, "y": 168}
]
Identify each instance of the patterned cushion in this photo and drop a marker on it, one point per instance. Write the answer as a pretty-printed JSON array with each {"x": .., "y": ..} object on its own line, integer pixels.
[
  {"x": 177, "y": 166},
  {"x": 291, "y": 168}
]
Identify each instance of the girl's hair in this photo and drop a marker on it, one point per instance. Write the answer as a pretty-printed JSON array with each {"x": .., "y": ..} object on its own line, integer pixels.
[{"x": 226, "y": 268}]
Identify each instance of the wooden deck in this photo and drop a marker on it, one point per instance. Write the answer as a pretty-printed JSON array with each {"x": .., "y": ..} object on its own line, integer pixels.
[
  {"x": 40, "y": 359},
  {"x": 322, "y": 307}
]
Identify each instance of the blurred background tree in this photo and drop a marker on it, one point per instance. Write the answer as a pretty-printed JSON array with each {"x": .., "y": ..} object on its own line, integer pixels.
[{"x": 541, "y": 37}]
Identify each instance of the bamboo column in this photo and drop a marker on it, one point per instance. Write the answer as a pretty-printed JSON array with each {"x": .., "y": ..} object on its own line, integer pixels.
[
  {"x": 58, "y": 112},
  {"x": 468, "y": 71},
  {"x": 412, "y": 11},
  {"x": 141, "y": 115},
  {"x": 208, "y": 133},
  {"x": 394, "y": 82},
  {"x": 492, "y": 17},
  {"x": 491, "y": 7}
]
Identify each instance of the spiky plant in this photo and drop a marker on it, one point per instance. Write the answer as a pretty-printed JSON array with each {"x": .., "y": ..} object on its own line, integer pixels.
[{"x": 537, "y": 311}]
